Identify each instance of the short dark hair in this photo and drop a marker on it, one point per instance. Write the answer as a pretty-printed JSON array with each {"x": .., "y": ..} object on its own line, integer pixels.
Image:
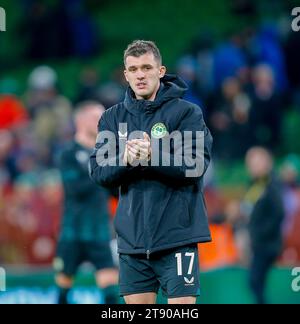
[
  {"x": 141, "y": 47},
  {"x": 83, "y": 106}
]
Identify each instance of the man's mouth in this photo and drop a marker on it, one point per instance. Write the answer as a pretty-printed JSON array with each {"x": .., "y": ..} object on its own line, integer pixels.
[{"x": 141, "y": 85}]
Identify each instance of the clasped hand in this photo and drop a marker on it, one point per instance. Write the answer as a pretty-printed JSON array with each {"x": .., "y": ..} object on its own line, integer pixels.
[{"x": 137, "y": 150}]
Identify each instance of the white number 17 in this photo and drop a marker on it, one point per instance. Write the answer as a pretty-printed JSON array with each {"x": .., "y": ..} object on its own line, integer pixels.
[{"x": 178, "y": 256}]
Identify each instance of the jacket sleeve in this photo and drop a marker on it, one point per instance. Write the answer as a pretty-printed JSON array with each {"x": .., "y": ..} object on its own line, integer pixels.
[
  {"x": 75, "y": 181},
  {"x": 195, "y": 163},
  {"x": 106, "y": 167}
]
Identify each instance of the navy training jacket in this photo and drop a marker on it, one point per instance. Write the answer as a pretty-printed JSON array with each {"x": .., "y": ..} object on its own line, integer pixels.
[{"x": 159, "y": 207}]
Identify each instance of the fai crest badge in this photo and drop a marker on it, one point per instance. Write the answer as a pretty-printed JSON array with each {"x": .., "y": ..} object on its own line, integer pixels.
[{"x": 159, "y": 130}]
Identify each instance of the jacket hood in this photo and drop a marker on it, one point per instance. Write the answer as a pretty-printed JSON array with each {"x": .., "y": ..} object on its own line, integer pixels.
[{"x": 171, "y": 87}]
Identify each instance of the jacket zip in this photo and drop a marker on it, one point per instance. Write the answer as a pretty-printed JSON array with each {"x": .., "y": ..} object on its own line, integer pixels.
[
  {"x": 146, "y": 236},
  {"x": 146, "y": 232}
]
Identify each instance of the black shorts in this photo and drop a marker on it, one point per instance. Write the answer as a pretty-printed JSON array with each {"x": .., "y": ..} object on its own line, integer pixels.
[
  {"x": 176, "y": 271},
  {"x": 70, "y": 254}
]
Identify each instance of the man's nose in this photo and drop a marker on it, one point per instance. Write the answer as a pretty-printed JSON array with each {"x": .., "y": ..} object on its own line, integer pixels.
[{"x": 140, "y": 74}]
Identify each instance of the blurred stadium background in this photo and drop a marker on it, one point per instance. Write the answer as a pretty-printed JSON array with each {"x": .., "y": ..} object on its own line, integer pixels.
[{"x": 55, "y": 54}]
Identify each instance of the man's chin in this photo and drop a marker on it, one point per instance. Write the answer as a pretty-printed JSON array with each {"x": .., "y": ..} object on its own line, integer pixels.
[{"x": 143, "y": 93}]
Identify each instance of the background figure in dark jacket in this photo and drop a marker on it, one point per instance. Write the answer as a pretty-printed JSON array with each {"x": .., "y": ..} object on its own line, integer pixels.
[
  {"x": 85, "y": 231},
  {"x": 265, "y": 206},
  {"x": 161, "y": 214}
]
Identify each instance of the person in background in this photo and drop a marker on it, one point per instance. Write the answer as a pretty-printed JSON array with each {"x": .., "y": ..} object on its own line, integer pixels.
[
  {"x": 264, "y": 205},
  {"x": 85, "y": 232}
]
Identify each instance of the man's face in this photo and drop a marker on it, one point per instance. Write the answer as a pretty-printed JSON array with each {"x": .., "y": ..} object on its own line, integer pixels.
[
  {"x": 259, "y": 163},
  {"x": 143, "y": 74},
  {"x": 87, "y": 121},
  {"x": 93, "y": 118}
]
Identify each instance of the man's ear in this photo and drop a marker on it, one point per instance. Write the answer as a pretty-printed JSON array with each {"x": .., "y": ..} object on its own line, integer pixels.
[
  {"x": 125, "y": 74},
  {"x": 162, "y": 71}
]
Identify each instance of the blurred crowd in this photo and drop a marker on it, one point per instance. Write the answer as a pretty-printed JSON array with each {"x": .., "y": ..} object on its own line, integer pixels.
[
  {"x": 245, "y": 84},
  {"x": 34, "y": 128}
]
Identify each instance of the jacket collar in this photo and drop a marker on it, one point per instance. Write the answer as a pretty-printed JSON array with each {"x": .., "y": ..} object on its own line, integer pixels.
[{"x": 171, "y": 87}]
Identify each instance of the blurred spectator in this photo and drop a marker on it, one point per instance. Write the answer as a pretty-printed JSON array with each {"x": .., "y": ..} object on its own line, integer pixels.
[
  {"x": 229, "y": 59},
  {"x": 230, "y": 121},
  {"x": 265, "y": 209},
  {"x": 266, "y": 109},
  {"x": 50, "y": 111},
  {"x": 186, "y": 69},
  {"x": 266, "y": 49},
  {"x": 290, "y": 171}
]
